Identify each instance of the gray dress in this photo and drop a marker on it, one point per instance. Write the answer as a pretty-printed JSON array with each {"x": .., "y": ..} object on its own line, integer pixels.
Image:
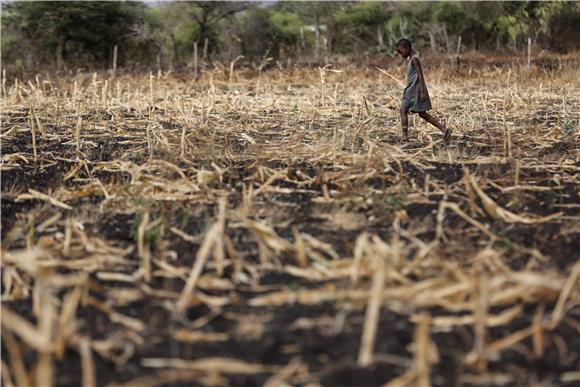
[{"x": 410, "y": 102}]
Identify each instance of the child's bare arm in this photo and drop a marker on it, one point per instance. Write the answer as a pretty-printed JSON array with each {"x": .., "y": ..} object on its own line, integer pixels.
[{"x": 422, "y": 86}]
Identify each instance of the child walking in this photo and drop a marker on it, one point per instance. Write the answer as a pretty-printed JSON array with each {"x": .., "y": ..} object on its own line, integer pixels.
[{"x": 415, "y": 96}]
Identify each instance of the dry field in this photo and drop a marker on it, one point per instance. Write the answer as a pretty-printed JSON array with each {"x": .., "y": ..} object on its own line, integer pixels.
[{"x": 270, "y": 229}]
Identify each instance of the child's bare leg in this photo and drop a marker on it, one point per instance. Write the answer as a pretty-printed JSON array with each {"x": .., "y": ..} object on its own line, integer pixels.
[
  {"x": 432, "y": 120},
  {"x": 405, "y": 124}
]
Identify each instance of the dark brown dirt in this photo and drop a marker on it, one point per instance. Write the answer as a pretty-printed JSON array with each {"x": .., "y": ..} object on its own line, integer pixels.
[{"x": 325, "y": 337}]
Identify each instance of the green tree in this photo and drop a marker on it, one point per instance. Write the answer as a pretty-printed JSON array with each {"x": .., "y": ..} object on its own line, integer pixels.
[
  {"x": 199, "y": 22},
  {"x": 553, "y": 23},
  {"x": 319, "y": 19},
  {"x": 255, "y": 34},
  {"x": 563, "y": 27},
  {"x": 74, "y": 31},
  {"x": 362, "y": 26},
  {"x": 286, "y": 26},
  {"x": 208, "y": 14}
]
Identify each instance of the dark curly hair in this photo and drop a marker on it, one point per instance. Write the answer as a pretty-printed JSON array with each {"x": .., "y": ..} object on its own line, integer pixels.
[{"x": 403, "y": 42}]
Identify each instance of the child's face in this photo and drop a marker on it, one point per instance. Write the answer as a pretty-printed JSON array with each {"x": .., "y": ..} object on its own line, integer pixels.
[{"x": 403, "y": 51}]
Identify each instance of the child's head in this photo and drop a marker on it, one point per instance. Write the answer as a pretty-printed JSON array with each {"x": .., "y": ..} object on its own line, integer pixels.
[{"x": 403, "y": 47}]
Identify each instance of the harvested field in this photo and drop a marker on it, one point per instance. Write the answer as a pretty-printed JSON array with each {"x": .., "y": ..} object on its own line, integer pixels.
[{"x": 270, "y": 229}]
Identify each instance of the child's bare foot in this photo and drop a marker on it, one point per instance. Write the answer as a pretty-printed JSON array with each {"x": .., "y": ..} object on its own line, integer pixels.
[
  {"x": 447, "y": 134},
  {"x": 405, "y": 138}
]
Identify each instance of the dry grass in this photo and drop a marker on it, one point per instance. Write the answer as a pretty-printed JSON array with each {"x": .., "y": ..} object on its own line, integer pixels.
[{"x": 165, "y": 227}]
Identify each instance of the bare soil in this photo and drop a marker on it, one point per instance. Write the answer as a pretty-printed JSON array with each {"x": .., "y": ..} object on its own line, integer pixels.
[{"x": 319, "y": 171}]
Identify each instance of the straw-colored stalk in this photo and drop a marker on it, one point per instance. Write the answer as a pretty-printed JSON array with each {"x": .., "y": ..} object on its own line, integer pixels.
[
  {"x": 67, "y": 237},
  {"x": 423, "y": 348},
  {"x": 30, "y": 232},
  {"x": 572, "y": 281},
  {"x": 391, "y": 76},
  {"x": 538, "y": 335},
  {"x": 75, "y": 96},
  {"x": 510, "y": 340},
  {"x": 143, "y": 248},
  {"x": 219, "y": 252},
  {"x": 182, "y": 142},
  {"x": 203, "y": 111},
  {"x": 455, "y": 208},
  {"x": 372, "y": 315},
  {"x": 281, "y": 377},
  {"x": 439, "y": 230},
  {"x": 35, "y": 195},
  {"x": 66, "y": 323},
  {"x": 425, "y": 353},
  {"x": 509, "y": 142},
  {"x": 33, "y": 134},
  {"x": 300, "y": 248},
  {"x": 498, "y": 212},
  {"x": 149, "y": 141},
  {"x": 87, "y": 363},
  {"x": 473, "y": 208},
  {"x": 15, "y": 358},
  {"x": 213, "y": 365},
  {"x": 517, "y": 172},
  {"x": 247, "y": 196},
  {"x": 57, "y": 108},
  {"x": 118, "y": 90},
  {"x": 322, "y": 71},
  {"x": 267, "y": 183},
  {"x": 4, "y": 92},
  {"x": 360, "y": 247},
  {"x": 78, "y": 133},
  {"x": 481, "y": 306},
  {"x": 570, "y": 377},
  {"x": 6, "y": 380},
  {"x": 44, "y": 372},
  {"x": 39, "y": 125},
  {"x": 131, "y": 323},
  {"x": 200, "y": 259},
  {"x": 232, "y": 65},
  {"x": 104, "y": 93},
  {"x": 186, "y": 123},
  {"x": 334, "y": 144},
  {"x": 151, "y": 100}
]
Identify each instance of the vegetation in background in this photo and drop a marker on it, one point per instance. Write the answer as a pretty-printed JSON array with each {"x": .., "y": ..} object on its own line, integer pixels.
[
  {"x": 58, "y": 32},
  {"x": 72, "y": 34}
]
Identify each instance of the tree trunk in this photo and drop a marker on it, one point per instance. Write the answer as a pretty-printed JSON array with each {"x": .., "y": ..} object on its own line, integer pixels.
[
  {"x": 317, "y": 42},
  {"x": 205, "y": 44},
  {"x": 115, "y": 49},
  {"x": 331, "y": 34},
  {"x": 60, "y": 53},
  {"x": 325, "y": 50},
  {"x": 159, "y": 68},
  {"x": 403, "y": 26},
  {"x": 529, "y": 53},
  {"x": 447, "y": 41},
  {"x": 432, "y": 41},
  {"x": 195, "y": 58},
  {"x": 175, "y": 50}
]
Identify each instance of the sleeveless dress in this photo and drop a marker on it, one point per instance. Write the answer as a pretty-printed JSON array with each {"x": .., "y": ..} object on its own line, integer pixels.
[{"x": 411, "y": 102}]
